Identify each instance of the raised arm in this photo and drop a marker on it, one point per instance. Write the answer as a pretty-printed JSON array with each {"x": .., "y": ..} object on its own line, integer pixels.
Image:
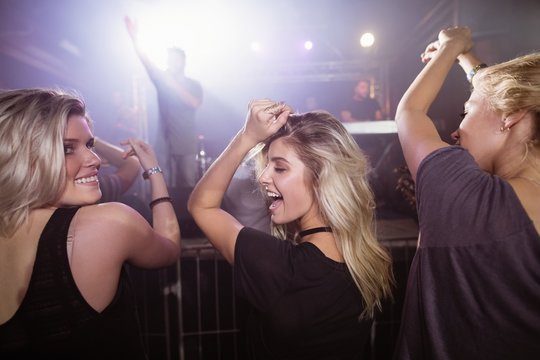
[
  {"x": 160, "y": 244},
  {"x": 133, "y": 31},
  {"x": 264, "y": 118},
  {"x": 417, "y": 133}
]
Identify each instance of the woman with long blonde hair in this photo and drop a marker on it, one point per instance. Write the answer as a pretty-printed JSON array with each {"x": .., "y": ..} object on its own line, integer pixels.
[{"x": 315, "y": 284}]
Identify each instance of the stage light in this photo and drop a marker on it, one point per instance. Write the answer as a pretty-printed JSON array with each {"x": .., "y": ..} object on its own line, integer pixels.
[
  {"x": 367, "y": 40},
  {"x": 308, "y": 45},
  {"x": 256, "y": 46}
]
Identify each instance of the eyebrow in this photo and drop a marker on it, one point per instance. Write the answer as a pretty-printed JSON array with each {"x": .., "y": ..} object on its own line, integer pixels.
[
  {"x": 77, "y": 140},
  {"x": 278, "y": 158}
]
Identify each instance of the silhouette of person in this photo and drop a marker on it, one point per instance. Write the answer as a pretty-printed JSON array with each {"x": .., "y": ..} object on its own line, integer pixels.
[
  {"x": 178, "y": 99},
  {"x": 361, "y": 106}
]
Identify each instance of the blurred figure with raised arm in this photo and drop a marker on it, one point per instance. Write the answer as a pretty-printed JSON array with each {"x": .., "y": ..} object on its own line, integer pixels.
[{"x": 179, "y": 97}]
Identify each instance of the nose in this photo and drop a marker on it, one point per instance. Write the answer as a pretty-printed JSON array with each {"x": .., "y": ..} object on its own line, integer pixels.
[
  {"x": 455, "y": 134},
  {"x": 92, "y": 159},
  {"x": 264, "y": 178}
]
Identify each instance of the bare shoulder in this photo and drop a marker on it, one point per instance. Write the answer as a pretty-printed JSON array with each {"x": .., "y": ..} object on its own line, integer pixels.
[{"x": 111, "y": 216}]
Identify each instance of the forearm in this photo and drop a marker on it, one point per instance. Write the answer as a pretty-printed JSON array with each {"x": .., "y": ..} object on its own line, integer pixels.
[
  {"x": 425, "y": 88},
  {"x": 127, "y": 168},
  {"x": 210, "y": 190},
  {"x": 468, "y": 61},
  {"x": 113, "y": 154},
  {"x": 164, "y": 218}
]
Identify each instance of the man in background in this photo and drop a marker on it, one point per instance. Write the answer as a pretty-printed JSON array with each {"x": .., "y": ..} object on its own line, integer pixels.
[
  {"x": 361, "y": 107},
  {"x": 178, "y": 99}
]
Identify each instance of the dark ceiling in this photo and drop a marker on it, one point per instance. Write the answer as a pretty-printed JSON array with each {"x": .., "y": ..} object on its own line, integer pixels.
[{"x": 84, "y": 45}]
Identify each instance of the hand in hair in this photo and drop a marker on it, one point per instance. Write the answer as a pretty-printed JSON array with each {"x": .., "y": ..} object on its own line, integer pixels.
[{"x": 264, "y": 118}]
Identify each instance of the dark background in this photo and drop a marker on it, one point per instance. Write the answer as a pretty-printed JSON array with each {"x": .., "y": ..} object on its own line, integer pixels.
[
  {"x": 189, "y": 311},
  {"x": 83, "y": 45}
]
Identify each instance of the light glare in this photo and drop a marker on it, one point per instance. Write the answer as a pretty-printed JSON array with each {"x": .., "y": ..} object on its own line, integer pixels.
[{"x": 367, "y": 40}]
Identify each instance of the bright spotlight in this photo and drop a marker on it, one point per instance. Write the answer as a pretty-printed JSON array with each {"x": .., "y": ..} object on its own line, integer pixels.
[
  {"x": 308, "y": 45},
  {"x": 256, "y": 46},
  {"x": 367, "y": 40}
]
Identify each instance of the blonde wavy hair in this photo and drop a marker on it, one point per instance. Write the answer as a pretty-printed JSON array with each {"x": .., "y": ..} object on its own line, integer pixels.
[
  {"x": 338, "y": 170},
  {"x": 513, "y": 86},
  {"x": 32, "y": 166}
]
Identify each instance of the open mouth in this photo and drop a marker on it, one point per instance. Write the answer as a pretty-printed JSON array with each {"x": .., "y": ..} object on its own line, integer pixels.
[{"x": 274, "y": 198}]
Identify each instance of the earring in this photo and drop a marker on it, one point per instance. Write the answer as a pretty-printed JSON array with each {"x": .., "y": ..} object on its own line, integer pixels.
[{"x": 503, "y": 126}]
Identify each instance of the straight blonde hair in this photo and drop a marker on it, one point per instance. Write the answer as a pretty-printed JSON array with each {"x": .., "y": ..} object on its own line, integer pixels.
[{"x": 32, "y": 164}]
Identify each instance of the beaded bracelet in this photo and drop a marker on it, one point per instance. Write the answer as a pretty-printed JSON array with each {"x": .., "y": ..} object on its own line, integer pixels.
[
  {"x": 474, "y": 70},
  {"x": 159, "y": 200},
  {"x": 146, "y": 174}
]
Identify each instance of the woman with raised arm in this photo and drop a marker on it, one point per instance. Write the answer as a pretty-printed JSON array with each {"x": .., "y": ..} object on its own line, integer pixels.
[
  {"x": 474, "y": 284},
  {"x": 63, "y": 287},
  {"x": 315, "y": 284}
]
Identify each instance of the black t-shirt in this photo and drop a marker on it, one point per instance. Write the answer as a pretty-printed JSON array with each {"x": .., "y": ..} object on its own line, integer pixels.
[
  {"x": 363, "y": 110},
  {"x": 474, "y": 284},
  {"x": 304, "y": 305},
  {"x": 54, "y": 321}
]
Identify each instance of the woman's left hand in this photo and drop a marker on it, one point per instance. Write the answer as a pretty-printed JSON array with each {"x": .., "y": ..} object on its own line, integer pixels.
[
  {"x": 264, "y": 118},
  {"x": 142, "y": 150}
]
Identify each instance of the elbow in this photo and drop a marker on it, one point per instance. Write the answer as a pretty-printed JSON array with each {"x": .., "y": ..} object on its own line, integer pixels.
[{"x": 192, "y": 205}]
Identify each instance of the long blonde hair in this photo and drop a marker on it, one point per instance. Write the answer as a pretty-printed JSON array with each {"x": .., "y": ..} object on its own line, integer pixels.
[
  {"x": 339, "y": 174},
  {"x": 32, "y": 168}
]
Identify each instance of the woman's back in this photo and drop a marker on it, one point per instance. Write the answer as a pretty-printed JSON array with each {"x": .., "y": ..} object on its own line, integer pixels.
[{"x": 52, "y": 314}]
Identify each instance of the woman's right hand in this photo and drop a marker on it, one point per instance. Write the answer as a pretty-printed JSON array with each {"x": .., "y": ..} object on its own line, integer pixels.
[
  {"x": 461, "y": 37},
  {"x": 264, "y": 118}
]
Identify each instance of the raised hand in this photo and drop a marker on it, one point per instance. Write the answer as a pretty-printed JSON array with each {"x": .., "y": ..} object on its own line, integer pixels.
[
  {"x": 132, "y": 28},
  {"x": 457, "y": 36},
  {"x": 142, "y": 150},
  {"x": 264, "y": 118}
]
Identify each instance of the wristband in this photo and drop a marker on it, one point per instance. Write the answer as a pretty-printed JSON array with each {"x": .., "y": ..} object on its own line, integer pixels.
[
  {"x": 474, "y": 70},
  {"x": 159, "y": 200},
  {"x": 146, "y": 174}
]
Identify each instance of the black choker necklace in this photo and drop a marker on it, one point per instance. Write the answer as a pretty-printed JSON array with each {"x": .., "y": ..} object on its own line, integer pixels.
[{"x": 314, "y": 230}]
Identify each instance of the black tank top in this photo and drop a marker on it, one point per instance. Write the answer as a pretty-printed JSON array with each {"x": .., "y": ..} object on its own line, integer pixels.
[{"x": 55, "y": 320}]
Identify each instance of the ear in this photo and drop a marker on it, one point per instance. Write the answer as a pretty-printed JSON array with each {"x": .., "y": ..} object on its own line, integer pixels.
[{"x": 514, "y": 118}]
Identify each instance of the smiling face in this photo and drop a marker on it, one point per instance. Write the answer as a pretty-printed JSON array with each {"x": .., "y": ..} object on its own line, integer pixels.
[
  {"x": 289, "y": 187},
  {"x": 480, "y": 132},
  {"x": 82, "y": 164}
]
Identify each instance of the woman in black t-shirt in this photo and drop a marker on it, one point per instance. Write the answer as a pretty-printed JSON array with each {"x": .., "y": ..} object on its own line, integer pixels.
[{"x": 315, "y": 284}]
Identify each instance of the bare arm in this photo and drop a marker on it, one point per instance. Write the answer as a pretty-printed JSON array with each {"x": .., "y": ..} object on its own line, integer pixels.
[
  {"x": 165, "y": 224},
  {"x": 133, "y": 31},
  {"x": 127, "y": 168},
  {"x": 417, "y": 134},
  {"x": 220, "y": 227}
]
